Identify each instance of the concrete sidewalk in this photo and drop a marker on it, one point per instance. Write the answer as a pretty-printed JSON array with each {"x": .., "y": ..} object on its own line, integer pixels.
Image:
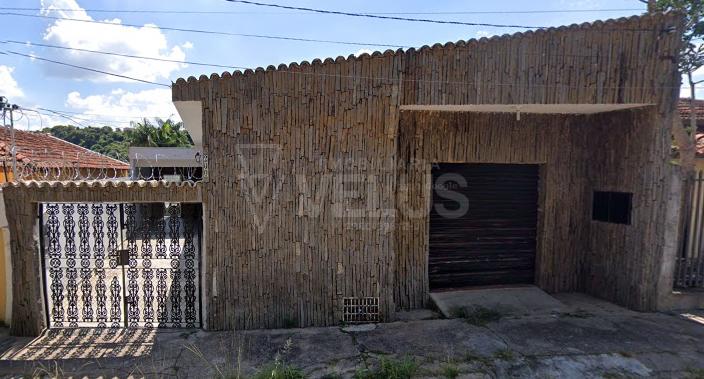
[{"x": 590, "y": 338}]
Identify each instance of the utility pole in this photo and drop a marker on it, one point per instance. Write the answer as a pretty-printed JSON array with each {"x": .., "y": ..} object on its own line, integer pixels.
[{"x": 9, "y": 108}]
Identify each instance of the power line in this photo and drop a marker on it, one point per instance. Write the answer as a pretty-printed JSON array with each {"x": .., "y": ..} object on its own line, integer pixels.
[
  {"x": 125, "y": 55},
  {"x": 58, "y": 114},
  {"x": 90, "y": 120},
  {"x": 205, "y": 64},
  {"x": 360, "y": 77},
  {"x": 107, "y": 115},
  {"x": 75, "y": 119},
  {"x": 98, "y": 121},
  {"x": 87, "y": 68},
  {"x": 387, "y": 17},
  {"x": 161, "y": 11},
  {"x": 212, "y": 32}
]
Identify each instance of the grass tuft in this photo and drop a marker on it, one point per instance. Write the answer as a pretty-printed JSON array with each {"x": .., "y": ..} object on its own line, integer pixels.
[
  {"x": 279, "y": 371},
  {"x": 405, "y": 368},
  {"x": 478, "y": 316},
  {"x": 450, "y": 371},
  {"x": 695, "y": 373},
  {"x": 504, "y": 355}
]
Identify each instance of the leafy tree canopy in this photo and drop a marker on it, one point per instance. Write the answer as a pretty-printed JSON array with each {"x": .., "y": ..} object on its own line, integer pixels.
[
  {"x": 115, "y": 142},
  {"x": 692, "y": 56}
]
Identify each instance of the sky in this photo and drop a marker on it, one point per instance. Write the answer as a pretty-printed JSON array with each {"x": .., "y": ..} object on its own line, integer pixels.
[{"x": 89, "y": 98}]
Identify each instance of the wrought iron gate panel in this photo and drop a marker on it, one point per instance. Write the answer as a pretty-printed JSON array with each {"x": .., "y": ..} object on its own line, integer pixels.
[
  {"x": 83, "y": 281},
  {"x": 90, "y": 282}
]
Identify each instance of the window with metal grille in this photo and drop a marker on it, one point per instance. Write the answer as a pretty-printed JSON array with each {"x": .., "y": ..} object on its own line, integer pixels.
[
  {"x": 614, "y": 207},
  {"x": 360, "y": 310}
]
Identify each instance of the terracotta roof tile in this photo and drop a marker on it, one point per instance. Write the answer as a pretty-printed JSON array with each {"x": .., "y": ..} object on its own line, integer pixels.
[
  {"x": 683, "y": 107},
  {"x": 44, "y": 150}
]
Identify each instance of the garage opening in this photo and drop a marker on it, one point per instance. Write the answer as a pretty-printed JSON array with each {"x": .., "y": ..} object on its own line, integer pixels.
[{"x": 483, "y": 223}]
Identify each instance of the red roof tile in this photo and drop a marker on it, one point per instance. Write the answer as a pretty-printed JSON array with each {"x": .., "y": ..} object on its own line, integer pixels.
[
  {"x": 683, "y": 107},
  {"x": 44, "y": 150}
]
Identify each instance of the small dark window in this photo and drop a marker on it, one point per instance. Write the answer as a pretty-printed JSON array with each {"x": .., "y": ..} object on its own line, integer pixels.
[{"x": 612, "y": 207}]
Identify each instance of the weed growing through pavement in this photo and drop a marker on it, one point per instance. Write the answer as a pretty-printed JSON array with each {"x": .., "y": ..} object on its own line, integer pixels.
[
  {"x": 504, "y": 355},
  {"x": 390, "y": 369},
  {"x": 279, "y": 369},
  {"x": 478, "y": 316},
  {"x": 230, "y": 371},
  {"x": 450, "y": 370}
]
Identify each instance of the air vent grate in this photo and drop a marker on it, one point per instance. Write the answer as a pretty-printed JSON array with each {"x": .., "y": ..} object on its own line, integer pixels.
[{"x": 360, "y": 310}]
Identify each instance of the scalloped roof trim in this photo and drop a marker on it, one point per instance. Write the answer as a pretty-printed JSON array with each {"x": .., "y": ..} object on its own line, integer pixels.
[
  {"x": 99, "y": 184},
  {"x": 321, "y": 62}
]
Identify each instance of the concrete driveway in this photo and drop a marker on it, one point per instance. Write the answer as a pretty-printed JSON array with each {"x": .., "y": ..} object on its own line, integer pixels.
[{"x": 587, "y": 338}]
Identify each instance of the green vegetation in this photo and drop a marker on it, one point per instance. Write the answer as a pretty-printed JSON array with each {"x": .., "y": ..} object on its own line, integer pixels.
[
  {"x": 579, "y": 313},
  {"x": 164, "y": 134},
  {"x": 504, "y": 355},
  {"x": 695, "y": 373},
  {"x": 116, "y": 142},
  {"x": 391, "y": 369},
  {"x": 279, "y": 370},
  {"x": 450, "y": 371},
  {"x": 478, "y": 316},
  {"x": 104, "y": 140}
]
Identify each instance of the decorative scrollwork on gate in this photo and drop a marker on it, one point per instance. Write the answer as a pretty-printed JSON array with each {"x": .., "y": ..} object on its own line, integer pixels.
[
  {"x": 132, "y": 273},
  {"x": 55, "y": 272},
  {"x": 115, "y": 303},
  {"x": 71, "y": 273},
  {"x": 113, "y": 229},
  {"x": 91, "y": 281},
  {"x": 84, "y": 254},
  {"x": 189, "y": 255},
  {"x": 101, "y": 313},
  {"x": 147, "y": 273},
  {"x": 175, "y": 275}
]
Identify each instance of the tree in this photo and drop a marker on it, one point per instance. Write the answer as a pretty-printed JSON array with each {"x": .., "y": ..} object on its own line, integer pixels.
[
  {"x": 691, "y": 58},
  {"x": 116, "y": 142},
  {"x": 104, "y": 140},
  {"x": 166, "y": 134}
]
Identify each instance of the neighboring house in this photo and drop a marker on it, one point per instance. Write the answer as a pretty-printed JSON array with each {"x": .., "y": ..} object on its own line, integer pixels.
[
  {"x": 165, "y": 163},
  {"x": 172, "y": 163},
  {"x": 41, "y": 156},
  {"x": 685, "y": 112}
]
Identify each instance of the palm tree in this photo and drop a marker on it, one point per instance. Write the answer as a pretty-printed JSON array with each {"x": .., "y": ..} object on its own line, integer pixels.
[{"x": 166, "y": 134}]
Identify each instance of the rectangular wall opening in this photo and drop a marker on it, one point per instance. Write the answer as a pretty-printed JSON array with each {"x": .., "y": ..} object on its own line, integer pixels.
[{"x": 483, "y": 225}]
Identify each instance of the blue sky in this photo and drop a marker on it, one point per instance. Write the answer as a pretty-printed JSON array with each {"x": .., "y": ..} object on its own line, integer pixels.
[{"x": 98, "y": 99}]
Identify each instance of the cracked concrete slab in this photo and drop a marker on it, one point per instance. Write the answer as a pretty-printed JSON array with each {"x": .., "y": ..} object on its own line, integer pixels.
[
  {"x": 432, "y": 338},
  {"x": 587, "y": 339}
]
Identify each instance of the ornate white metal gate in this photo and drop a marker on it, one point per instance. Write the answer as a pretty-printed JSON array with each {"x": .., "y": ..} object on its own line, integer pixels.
[{"x": 121, "y": 265}]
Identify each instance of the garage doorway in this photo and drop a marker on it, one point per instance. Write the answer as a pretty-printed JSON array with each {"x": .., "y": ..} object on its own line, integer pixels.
[{"x": 483, "y": 223}]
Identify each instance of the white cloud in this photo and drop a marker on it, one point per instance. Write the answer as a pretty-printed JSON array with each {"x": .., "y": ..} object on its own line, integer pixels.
[
  {"x": 362, "y": 51},
  {"x": 143, "y": 41},
  {"x": 484, "y": 33},
  {"x": 8, "y": 85},
  {"x": 121, "y": 105}
]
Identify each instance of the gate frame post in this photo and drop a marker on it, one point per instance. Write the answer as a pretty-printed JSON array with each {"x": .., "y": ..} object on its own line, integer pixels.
[{"x": 28, "y": 306}]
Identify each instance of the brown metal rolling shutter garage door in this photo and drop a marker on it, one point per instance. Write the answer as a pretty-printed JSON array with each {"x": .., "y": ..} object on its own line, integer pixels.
[{"x": 482, "y": 225}]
